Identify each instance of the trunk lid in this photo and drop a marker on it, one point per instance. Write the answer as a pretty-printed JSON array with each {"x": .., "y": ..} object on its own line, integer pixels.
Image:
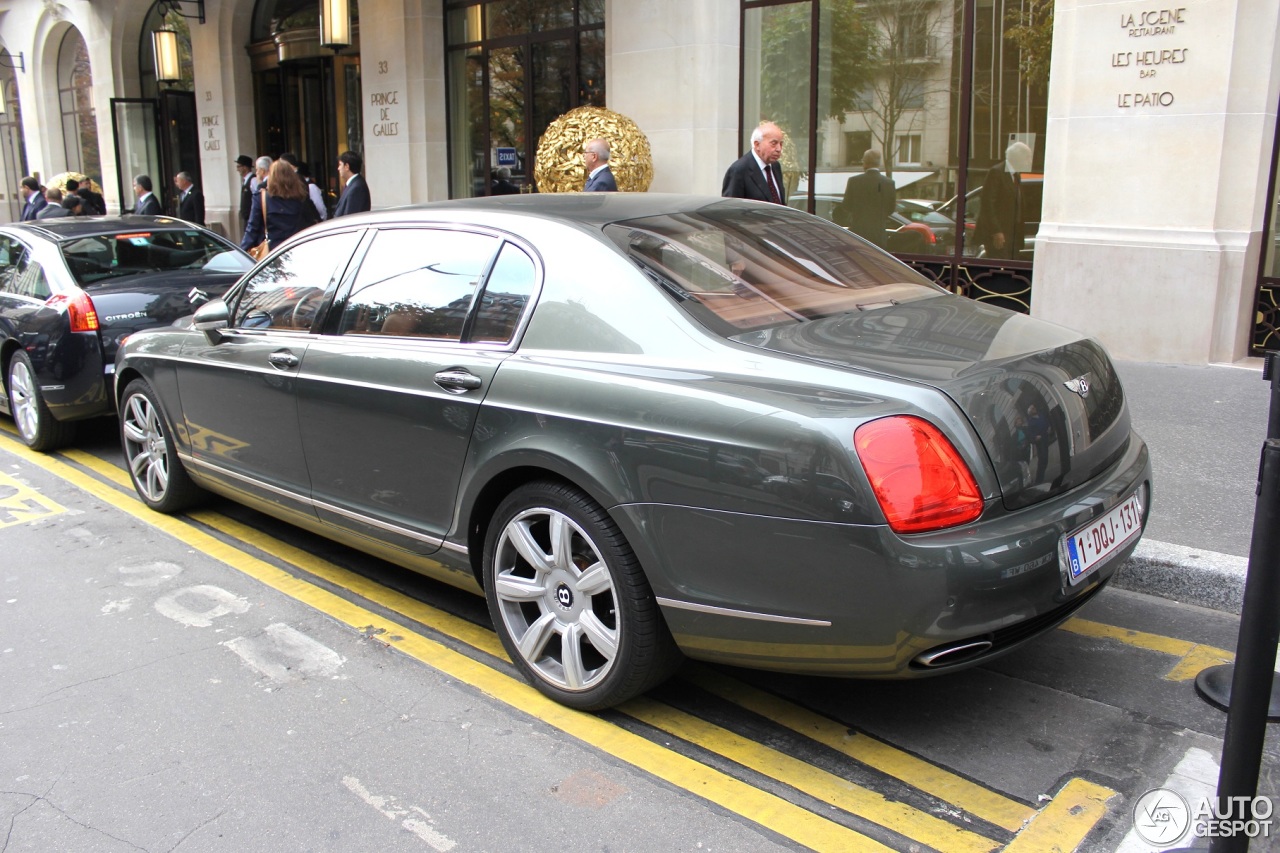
[
  {"x": 1046, "y": 403},
  {"x": 130, "y": 304}
]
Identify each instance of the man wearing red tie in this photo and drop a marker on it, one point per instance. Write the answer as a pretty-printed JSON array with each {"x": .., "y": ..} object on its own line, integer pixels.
[{"x": 758, "y": 174}]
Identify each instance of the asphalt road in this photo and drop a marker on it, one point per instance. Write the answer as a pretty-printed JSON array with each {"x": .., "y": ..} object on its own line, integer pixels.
[{"x": 225, "y": 682}]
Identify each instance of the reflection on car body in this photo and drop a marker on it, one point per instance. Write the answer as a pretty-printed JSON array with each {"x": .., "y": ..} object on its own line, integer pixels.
[
  {"x": 649, "y": 426},
  {"x": 72, "y": 288}
]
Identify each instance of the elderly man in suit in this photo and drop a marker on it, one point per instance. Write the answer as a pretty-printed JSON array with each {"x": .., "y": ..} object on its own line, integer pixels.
[
  {"x": 190, "y": 200},
  {"x": 869, "y": 198},
  {"x": 147, "y": 204},
  {"x": 758, "y": 174},
  {"x": 244, "y": 168},
  {"x": 355, "y": 193},
  {"x": 595, "y": 154}
]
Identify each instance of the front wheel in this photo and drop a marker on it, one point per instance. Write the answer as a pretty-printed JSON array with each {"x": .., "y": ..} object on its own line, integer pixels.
[
  {"x": 37, "y": 426},
  {"x": 569, "y": 600},
  {"x": 149, "y": 452}
]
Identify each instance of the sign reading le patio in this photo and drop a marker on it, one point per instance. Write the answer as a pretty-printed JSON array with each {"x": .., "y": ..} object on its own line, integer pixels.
[{"x": 1146, "y": 64}]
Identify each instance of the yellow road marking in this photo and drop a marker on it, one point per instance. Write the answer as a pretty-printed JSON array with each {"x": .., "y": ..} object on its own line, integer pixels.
[
  {"x": 1071, "y": 814},
  {"x": 1063, "y": 824},
  {"x": 1192, "y": 657},
  {"x": 21, "y": 504},
  {"x": 817, "y": 783},
  {"x": 943, "y": 784}
]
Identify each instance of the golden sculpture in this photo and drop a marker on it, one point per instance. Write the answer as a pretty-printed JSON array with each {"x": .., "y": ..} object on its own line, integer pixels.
[
  {"x": 558, "y": 167},
  {"x": 60, "y": 181}
]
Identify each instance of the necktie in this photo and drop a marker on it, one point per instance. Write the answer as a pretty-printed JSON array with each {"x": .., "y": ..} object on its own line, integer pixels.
[{"x": 773, "y": 187}]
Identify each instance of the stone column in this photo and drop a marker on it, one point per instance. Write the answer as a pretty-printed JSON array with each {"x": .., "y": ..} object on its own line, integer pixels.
[
  {"x": 1161, "y": 124},
  {"x": 672, "y": 68}
]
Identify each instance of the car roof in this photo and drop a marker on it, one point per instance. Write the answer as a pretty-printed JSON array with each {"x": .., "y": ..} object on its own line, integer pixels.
[
  {"x": 584, "y": 209},
  {"x": 64, "y": 228}
]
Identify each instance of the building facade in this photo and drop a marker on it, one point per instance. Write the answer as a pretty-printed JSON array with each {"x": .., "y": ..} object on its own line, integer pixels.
[{"x": 1138, "y": 204}]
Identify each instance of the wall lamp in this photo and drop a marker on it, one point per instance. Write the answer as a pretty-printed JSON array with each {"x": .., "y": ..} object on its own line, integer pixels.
[
  {"x": 164, "y": 40},
  {"x": 335, "y": 24},
  {"x": 8, "y": 62}
]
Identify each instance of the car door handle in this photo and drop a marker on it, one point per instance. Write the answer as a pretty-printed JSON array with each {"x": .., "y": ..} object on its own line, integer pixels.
[
  {"x": 458, "y": 380},
  {"x": 282, "y": 360}
]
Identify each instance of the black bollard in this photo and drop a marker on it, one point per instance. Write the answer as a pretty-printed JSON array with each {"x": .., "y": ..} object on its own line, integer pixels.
[{"x": 1249, "y": 700}]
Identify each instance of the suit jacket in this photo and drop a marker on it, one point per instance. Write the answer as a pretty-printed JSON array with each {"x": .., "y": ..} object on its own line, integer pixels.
[
  {"x": 869, "y": 198},
  {"x": 246, "y": 198},
  {"x": 355, "y": 198},
  {"x": 602, "y": 183},
  {"x": 52, "y": 210},
  {"x": 34, "y": 204},
  {"x": 191, "y": 207},
  {"x": 1000, "y": 212},
  {"x": 150, "y": 207},
  {"x": 744, "y": 179}
]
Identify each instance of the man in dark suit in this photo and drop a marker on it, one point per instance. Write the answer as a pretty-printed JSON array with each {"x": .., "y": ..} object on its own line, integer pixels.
[
  {"x": 595, "y": 154},
  {"x": 355, "y": 193},
  {"x": 33, "y": 199},
  {"x": 869, "y": 198},
  {"x": 244, "y": 168},
  {"x": 190, "y": 200},
  {"x": 758, "y": 174},
  {"x": 147, "y": 204},
  {"x": 1000, "y": 218}
]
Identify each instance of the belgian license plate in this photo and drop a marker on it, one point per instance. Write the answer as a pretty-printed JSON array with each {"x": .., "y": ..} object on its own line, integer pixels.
[{"x": 1092, "y": 544}]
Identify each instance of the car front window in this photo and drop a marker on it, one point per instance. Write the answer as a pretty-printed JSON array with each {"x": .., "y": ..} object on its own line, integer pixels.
[
  {"x": 739, "y": 269},
  {"x": 287, "y": 292}
]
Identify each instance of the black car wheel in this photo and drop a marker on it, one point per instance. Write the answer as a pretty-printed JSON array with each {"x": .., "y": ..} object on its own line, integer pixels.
[
  {"x": 154, "y": 467},
  {"x": 569, "y": 600},
  {"x": 37, "y": 426}
]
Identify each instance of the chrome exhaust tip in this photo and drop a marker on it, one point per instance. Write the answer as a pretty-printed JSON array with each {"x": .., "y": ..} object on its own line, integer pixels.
[{"x": 952, "y": 654}]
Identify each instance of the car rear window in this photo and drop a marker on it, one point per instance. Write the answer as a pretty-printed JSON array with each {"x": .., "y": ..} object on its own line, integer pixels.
[
  {"x": 739, "y": 270},
  {"x": 106, "y": 256}
]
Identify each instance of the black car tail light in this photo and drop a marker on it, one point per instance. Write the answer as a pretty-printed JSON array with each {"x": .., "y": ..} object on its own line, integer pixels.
[{"x": 80, "y": 311}]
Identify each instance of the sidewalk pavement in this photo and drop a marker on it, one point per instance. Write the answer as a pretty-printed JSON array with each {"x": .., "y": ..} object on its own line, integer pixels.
[{"x": 1205, "y": 426}]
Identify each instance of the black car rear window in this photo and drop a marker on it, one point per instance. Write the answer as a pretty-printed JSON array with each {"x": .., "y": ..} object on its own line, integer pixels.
[
  {"x": 105, "y": 256},
  {"x": 738, "y": 269}
]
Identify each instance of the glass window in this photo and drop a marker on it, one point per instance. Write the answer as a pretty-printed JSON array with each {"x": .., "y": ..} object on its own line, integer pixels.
[
  {"x": 287, "y": 293},
  {"x": 505, "y": 295},
  {"x": 417, "y": 282},
  {"x": 739, "y": 270},
  {"x": 92, "y": 259},
  {"x": 1271, "y": 263},
  {"x": 777, "y": 58},
  {"x": 75, "y": 92},
  {"x": 29, "y": 280},
  {"x": 13, "y": 258}
]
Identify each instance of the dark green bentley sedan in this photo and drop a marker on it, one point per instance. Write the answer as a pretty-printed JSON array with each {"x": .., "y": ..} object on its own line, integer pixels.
[{"x": 648, "y": 426}]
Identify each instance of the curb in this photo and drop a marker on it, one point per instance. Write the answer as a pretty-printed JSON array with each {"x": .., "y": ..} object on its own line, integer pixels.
[{"x": 1187, "y": 575}]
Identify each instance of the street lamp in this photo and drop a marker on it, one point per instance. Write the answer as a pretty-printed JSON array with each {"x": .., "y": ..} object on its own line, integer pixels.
[
  {"x": 164, "y": 40},
  {"x": 335, "y": 24}
]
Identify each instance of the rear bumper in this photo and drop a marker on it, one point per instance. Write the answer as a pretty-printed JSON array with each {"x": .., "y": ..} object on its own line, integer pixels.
[{"x": 840, "y": 599}]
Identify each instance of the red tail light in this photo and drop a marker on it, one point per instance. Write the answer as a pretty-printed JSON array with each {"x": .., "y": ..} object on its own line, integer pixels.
[
  {"x": 79, "y": 308},
  {"x": 918, "y": 477}
]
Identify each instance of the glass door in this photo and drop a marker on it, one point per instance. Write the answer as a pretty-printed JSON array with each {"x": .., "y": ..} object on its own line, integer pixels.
[{"x": 136, "y": 132}]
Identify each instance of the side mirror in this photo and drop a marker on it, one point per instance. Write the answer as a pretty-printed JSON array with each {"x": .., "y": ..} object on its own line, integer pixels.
[{"x": 211, "y": 318}]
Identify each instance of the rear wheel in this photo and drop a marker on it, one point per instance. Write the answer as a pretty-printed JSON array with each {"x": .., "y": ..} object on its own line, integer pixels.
[
  {"x": 149, "y": 452},
  {"x": 37, "y": 426},
  {"x": 570, "y": 602}
]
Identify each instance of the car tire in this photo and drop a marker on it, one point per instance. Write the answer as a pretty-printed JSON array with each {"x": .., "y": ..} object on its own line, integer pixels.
[
  {"x": 570, "y": 602},
  {"x": 37, "y": 427},
  {"x": 150, "y": 455}
]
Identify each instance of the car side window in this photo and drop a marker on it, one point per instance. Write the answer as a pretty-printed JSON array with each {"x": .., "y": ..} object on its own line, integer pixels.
[
  {"x": 506, "y": 293},
  {"x": 13, "y": 257},
  {"x": 286, "y": 294},
  {"x": 29, "y": 280},
  {"x": 417, "y": 282}
]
